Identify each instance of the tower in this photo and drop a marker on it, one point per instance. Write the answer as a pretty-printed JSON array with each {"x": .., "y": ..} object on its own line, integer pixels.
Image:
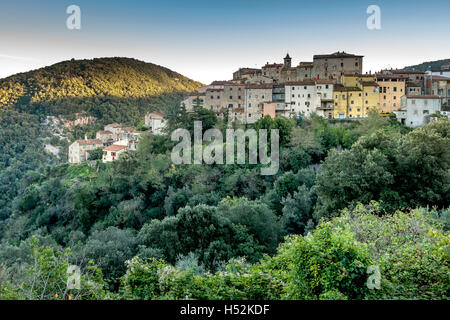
[{"x": 287, "y": 61}]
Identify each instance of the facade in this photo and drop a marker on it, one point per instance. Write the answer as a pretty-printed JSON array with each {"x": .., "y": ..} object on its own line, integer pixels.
[
  {"x": 116, "y": 130},
  {"x": 392, "y": 88},
  {"x": 441, "y": 86},
  {"x": 356, "y": 96},
  {"x": 333, "y": 66},
  {"x": 413, "y": 88},
  {"x": 155, "y": 122},
  {"x": 105, "y": 136},
  {"x": 416, "y": 110},
  {"x": 79, "y": 150},
  {"x": 194, "y": 100},
  {"x": 255, "y": 94},
  {"x": 113, "y": 152}
]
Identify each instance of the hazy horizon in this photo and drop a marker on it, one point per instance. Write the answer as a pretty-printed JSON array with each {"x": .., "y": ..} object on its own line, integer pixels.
[{"x": 207, "y": 40}]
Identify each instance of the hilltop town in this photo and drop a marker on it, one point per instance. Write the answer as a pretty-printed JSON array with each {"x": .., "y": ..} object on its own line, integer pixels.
[{"x": 332, "y": 86}]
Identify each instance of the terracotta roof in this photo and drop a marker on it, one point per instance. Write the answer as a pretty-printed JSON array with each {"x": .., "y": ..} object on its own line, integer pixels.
[
  {"x": 196, "y": 94},
  {"x": 89, "y": 141},
  {"x": 336, "y": 55},
  {"x": 413, "y": 84},
  {"x": 104, "y": 132},
  {"x": 324, "y": 81},
  {"x": 340, "y": 87},
  {"x": 307, "y": 82},
  {"x": 114, "y": 147},
  {"x": 114, "y": 125},
  {"x": 422, "y": 97},
  {"x": 369, "y": 83},
  {"x": 259, "y": 86},
  {"x": 273, "y": 65},
  {"x": 438, "y": 78},
  {"x": 305, "y": 64},
  {"x": 403, "y": 71},
  {"x": 156, "y": 115}
]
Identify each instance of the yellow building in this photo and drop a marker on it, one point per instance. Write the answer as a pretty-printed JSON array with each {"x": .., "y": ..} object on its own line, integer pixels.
[
  {"x": 355, "y": 96},
  {"x": 392, "y": 89}
]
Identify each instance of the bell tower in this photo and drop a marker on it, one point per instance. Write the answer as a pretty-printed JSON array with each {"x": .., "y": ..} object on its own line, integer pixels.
[{"x": 287, "y": 61}]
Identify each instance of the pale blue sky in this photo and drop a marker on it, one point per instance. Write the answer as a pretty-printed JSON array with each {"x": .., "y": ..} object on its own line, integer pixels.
[{"x": 207, "y": 40}]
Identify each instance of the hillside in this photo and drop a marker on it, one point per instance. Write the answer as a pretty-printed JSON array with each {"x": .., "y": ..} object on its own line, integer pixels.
[
  {"x": 426, "y": 65},
  {"x": 101, "y": 87}
]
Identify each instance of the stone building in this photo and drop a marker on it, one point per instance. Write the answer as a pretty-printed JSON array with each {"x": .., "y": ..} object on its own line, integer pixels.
[
  {"x": 79, "y": 149},
  {"x": 333, "y": 66},
  {"x": 255, "y": 94}
]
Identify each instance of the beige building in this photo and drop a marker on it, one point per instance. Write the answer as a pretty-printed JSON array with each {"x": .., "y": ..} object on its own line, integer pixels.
[
  {"x": 413, "y": 88},
  {"x": 194, "y": 100},
  {"x": 391, "y": 88},
  {"x": 255, "y": 94},
  {"x": 116, "y": 130},
  {"x": 79, "y": 150},
  {"x": 105, "y": 136},
  {"x": 441, "y": 86},
  {"x": 113, "y": 152}
]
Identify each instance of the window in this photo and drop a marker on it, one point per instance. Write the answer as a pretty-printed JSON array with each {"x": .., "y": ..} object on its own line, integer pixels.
[
  {"x": 395, "y": 89},
  {"x": 351, "y": 102},
  {"x": 413, "y": 101},
  {"x": 326, "y": 86},
  {"x": 231, "y": 97},
  {"x": 349, "y": 109},
  {"x": 425, "y": 102}
]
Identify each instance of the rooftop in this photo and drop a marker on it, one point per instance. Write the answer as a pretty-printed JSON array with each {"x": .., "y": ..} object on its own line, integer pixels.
[
  {"x": 338, "y": 54},
  {"x": 422, "y": 97},
  {"x": 114, "y": 147},
  {"x": 89, "y": 141}
]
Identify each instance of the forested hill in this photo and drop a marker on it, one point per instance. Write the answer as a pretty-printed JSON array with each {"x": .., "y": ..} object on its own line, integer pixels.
[
  {"x": 98, "y": 86},
  {"x": 434, "y": 65}
]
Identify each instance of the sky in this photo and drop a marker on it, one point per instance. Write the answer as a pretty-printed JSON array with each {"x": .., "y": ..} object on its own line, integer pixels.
[{"x": 209, "y": 40}]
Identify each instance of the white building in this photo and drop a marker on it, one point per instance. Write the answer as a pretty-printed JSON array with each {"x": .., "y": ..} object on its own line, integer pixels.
[
  {"x": 308, "y": 96},
  {"x": 416, "y": 110},
  {"x": 155, "y": 122},
  {"x": 113, "y": 152}
]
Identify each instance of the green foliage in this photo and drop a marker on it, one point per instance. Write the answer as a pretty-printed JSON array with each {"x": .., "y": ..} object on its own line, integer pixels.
[{"x": 47, "y": 278}]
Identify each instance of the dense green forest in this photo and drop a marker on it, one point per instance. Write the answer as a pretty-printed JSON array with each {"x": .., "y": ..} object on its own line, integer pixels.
[
  {"x": 434, "y": 65},
  {"x": 109, "y": 89},
  {"x": 348, "y": 195}
]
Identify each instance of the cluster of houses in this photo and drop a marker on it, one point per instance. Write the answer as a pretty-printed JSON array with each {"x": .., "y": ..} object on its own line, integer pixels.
[
  {"x": 332, "y": 86},
  {"x": 114, "y": 140}
]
